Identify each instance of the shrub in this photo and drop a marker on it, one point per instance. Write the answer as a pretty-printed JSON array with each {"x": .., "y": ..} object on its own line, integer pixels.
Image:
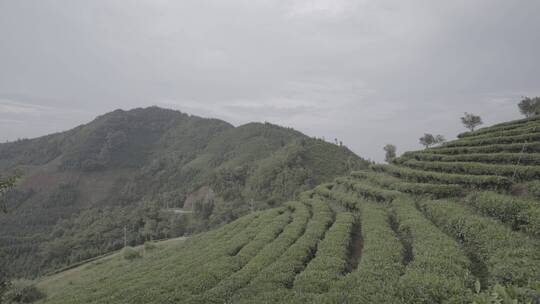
[
  {"x": 130, "y": 253},
  {"x": 371, "y": 192},
  {"x": 224, "y": 243},
  {"x": 514, "y": 130},
  {"x": 519, "y": 172},
  {"x": 4, "y": 283},
  {"x": 392, "y": 183},
  {"x": 433, "y": 190},
  {"x": 491, "y": 140},
  {"x": 439, "y": 271},
  {"x": 496, "y": 148},
  {"x": 376, "y": 278},
  {"x": 270, "y": 253},
  {"x": 488, "y": 130},
  {"x": 23, "y": 291},
  {"x": 485, "y": 181},
  {"x": 509, "y": 257},
  {"x": 282, "y": 272},
  {"x": 507, "y": 295},
  {"x": 534, "y": 188},
  {"x": 346, "y": 200},
  {"x": 488, "y": 158},
  {"x": 149, "y": 245},
  {"x": 519, "y": 214},
  {"x": 331, "y": 258},
  {"x": 234, "y": 254},
  {"x": 517, "y": 122},
  {"x": 323, "y": 189},
  {"x": 306, "y": 195}
]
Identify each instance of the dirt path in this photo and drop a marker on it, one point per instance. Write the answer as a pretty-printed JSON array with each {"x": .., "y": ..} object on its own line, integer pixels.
[{"x": 355, "y": 248}]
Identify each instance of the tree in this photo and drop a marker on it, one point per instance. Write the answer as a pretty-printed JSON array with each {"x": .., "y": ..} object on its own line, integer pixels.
[
  {"x": 4, "y": 284},
  {"x": 439, "y": 139},
  {"x": 150, "y": 229},
  {"x": 5, "y": 185},
  {"x": 429, "y": 140},
  {"x": 390, "y": 152},
  {"x": 530, "y": 106},
  {"x": 23, "y": 291},
  {"x": 471, "y": 121}
]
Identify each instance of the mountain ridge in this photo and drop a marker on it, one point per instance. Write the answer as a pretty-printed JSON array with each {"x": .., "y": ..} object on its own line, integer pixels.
[{"x": 128, "y": 166}]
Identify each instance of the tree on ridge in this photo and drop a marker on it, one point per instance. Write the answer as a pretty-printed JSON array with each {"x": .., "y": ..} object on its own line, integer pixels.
[
  {"x": 390, "y": 152},
  {"x": 429, "y": 140},
  {"x": 471, "y": 121},
  {"x": 529, "y": 106}
]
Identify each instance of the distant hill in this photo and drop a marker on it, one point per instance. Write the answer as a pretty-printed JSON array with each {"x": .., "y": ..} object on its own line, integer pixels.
[
  {"x": 159, "y": 173},
  {"x": 457, "y": 223}
]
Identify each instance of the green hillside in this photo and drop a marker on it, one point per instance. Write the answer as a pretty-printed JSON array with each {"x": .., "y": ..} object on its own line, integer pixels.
[
  {"x": 154, "y": 172},
  {"x": 451, "y": 224}
]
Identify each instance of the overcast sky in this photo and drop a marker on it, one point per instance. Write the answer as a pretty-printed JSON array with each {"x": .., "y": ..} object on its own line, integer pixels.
[{"x": 368, "y": 72}]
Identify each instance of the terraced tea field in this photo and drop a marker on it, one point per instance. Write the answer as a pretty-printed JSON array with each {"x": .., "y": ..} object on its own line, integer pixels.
[{"x": 452, "y": 224}]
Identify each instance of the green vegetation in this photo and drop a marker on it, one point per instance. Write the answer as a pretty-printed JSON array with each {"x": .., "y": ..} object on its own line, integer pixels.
[
  {"x": 429, "y": 140},
  {"x": 520, "y": 214},
  {"x": 130, "y": 253},
  {"x": 439, "y": 269},
  {"x": 502, "y": 130},
  {"x": 390, "y": 152},
  {"x": 159, "y": 173},
  {"x": 345, "y": 200},
  {"x": 511, "y": 171},
  {"x": 503, "y": 294},
  {"x": 378, "y": 235},
  {"x": 525, "y": 129},
  {"x": 527, "y": 159},
  {"x": 530, "y": 147},
  {"x": 515, "y": 123},
  {"x": 534, "y": 188},
  {"x": 480, "y": 181},
  {"x": 417, "y": 189},
  {"x": 330, "y": 262},
  {"x": 501, "y": 255},
  {"x": 272, "y": 251},
  {"x": 471, "y": 121},
  {"x": 531, "y": 137},
  {"x": 23, "y": 291},
  {"x": 282, "y": 272},
  {"x": 371, "y": 192},
  {"x": 6, "y": 184},
  {"x": 530, "y": 106},
  {"x": 377, "y": 277}
]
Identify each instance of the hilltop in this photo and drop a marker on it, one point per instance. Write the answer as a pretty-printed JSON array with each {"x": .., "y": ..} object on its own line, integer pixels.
[
  {"x": 455, "y": 223},
  {"x": 148, "y": 174}
]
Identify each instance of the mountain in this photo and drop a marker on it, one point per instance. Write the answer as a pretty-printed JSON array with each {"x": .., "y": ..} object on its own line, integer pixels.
[
  {"x": 131, "y": 176},
  {"x": 457, "y": 223}
]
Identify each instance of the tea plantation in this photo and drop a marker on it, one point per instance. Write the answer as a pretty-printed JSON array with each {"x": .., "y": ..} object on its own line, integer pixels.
[{"x": 457, "y": 223}]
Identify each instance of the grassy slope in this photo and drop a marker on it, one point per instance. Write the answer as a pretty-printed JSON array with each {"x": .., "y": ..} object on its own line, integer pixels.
[
  {"x": 112, "y": 266},
  {"x": 421, "y": 250}
]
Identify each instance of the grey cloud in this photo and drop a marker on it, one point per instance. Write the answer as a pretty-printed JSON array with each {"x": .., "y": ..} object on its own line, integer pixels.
[{"x": 367, "y": 72}]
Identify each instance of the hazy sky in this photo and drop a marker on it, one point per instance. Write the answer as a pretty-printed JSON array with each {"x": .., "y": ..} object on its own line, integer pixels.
[{"x": 368, "y": 72}]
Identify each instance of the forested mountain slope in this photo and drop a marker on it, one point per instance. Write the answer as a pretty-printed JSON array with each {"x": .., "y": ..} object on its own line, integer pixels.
[
  {"x": 452, "y": 224},
  {"x": 154, "y": 172}
]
